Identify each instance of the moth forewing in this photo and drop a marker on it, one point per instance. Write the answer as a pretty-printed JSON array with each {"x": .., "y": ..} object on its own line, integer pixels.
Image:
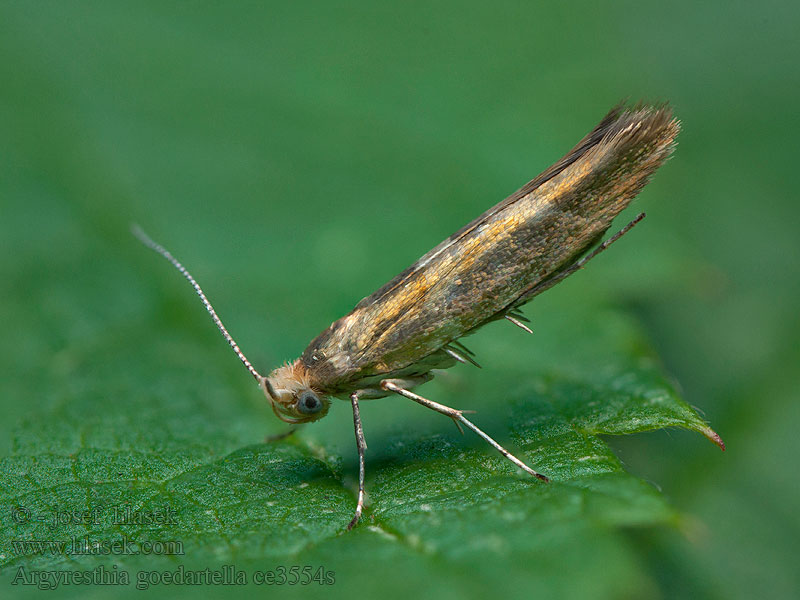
[{"x": 488, "y": 267}]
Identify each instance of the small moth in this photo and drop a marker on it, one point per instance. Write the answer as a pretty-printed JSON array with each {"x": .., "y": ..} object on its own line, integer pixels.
[{"x": 395, "y": 338}]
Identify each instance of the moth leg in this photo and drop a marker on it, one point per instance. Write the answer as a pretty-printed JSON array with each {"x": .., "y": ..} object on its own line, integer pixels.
[
  {"x": 280, "y": 436},
  {"x": 361, "y": 445},
  {"x": 459, "y": 427},
  {"x": 458, "y": 417},
  {"x": 461, "y": 353},
  {"x": 519, "y": 323},
  {"x": 579, "y": 264}
]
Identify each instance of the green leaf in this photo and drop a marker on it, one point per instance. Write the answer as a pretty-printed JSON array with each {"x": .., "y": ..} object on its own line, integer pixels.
[{"x": 175, "y": 449}]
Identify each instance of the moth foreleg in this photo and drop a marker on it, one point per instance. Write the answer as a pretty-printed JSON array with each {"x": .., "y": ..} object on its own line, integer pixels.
[
  {"x": 361, "y": 445},
  {"x": 280, "y": 436},
  {"x": 458, "y": 417}
]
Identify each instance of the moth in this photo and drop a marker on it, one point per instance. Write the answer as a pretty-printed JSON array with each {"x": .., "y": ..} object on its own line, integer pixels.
[{"x": 394, "y": 339}]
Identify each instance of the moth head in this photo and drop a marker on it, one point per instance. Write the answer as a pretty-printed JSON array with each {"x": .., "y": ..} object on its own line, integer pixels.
[
  {"x": 287, "y": 388},
  {"x": 292, "y": 398}
]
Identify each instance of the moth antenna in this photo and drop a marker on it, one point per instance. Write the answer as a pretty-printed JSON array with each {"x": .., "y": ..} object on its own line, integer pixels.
[{"x": 145, "y": 239}]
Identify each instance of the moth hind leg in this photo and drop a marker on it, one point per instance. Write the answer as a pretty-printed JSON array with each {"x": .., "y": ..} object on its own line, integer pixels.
[
  {"x": 577, "y": 265},
  {"x": 460, "y": 419},
  {"x": 518, "y": 319}
]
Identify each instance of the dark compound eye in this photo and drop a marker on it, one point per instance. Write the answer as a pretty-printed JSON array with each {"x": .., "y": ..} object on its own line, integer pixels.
[{"x": 308, "y": 403}]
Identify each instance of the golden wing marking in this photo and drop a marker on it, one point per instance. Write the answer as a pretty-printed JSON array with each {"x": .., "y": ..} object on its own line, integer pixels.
[{"x": 485, "y": 270}]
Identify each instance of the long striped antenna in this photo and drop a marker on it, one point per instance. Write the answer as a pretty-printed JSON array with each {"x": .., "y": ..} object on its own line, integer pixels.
[{"x": 145, "y": 239}]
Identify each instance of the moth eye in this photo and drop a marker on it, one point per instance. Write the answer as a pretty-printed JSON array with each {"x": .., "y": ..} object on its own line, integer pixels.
[{"x": 308, "y": 403}]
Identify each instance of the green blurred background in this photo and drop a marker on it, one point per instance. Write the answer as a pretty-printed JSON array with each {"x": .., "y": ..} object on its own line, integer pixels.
[{"x": 296, "y": 156}]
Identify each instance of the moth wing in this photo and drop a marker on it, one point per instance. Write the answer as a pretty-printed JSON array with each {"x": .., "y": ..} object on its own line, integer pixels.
[{"x": 493, "y": 264}]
